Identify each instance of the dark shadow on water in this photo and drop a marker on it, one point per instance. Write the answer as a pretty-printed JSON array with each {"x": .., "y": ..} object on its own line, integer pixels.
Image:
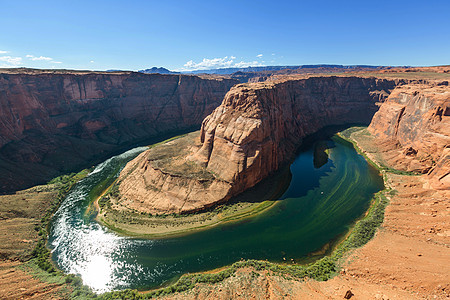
[
  {"x": 275, "y": 186},
  {"x": 320, "y": 154}
]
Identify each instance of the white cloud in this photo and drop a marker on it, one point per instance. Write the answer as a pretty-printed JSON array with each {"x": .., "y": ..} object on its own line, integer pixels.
[
  {"x": 215, "y": 63},
  {"x": 92, "y": 61},
  {"x": 10, "y": 61},
  {"x": 3, "y": 52},
  {"x": 32, "y": 57},
  {"x": 212, "y": 63},
  {"x": 244, "y": 64},
  {"x": 42, "y": 58},
  {"x": 259, "y": 55}
]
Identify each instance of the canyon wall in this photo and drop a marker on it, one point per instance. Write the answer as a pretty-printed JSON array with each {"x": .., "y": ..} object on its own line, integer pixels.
[
  {"x": 413, "y": 128},
  {"x": 257, "y": 128},
  {"x": 54, "y": 123}
]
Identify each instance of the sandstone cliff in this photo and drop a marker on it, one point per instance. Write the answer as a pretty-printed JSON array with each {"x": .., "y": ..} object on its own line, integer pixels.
[
  {"x": 255, "y": 130},
  {"x": 161, "y": 180},
  {"x": 413, "y": 127},
  {"x": 58, "y": 122}
]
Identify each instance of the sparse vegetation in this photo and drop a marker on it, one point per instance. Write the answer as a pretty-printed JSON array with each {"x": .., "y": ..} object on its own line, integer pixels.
[
  {"x": 146, "y": 225},
  {"x": 347, "y": 135},
  {"x": 322, "y": 269},
  {"x": 40, "y": 265}
]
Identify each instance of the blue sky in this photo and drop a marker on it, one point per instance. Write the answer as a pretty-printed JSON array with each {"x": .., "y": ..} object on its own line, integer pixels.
[{"x": 188, "y": 35}]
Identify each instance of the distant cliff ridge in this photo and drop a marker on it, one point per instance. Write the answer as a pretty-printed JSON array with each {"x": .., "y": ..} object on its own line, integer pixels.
[
  {"x": 52, "y": 123},
  {"x": 224, "y": 71}
]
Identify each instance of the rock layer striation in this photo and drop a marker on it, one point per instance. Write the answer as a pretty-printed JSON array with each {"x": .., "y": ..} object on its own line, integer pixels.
[
  {"x": 61, "y": 121},
  {"x": 413, "y": 128}
]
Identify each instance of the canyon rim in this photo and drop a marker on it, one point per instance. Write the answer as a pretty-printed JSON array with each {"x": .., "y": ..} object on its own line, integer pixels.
[{"x": 240, "y": 150}]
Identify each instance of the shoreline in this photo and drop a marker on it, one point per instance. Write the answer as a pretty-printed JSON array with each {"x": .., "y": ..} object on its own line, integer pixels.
[
  {"x": 196, "y": 227},
  {"x": 169, "y": 226},
  {"x": 351, "y": 272},
  {"x": 140, "y": 225},
  {"x": 128, "y": 222},
  {"x": 391, "y": 265},
  {"x": 336, "y": 250}
]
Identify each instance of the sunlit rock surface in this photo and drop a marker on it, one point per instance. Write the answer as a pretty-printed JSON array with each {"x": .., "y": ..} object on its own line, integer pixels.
[{"x": 413, "y": 127}]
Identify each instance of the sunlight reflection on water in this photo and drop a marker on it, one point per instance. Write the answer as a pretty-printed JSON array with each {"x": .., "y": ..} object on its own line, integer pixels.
[
  {"x": 87, "y": 249},
  {"x": 301, "y": 224}
]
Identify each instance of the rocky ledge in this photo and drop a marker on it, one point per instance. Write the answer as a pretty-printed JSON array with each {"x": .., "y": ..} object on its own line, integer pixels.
[
  {"x": 255, "y": 130},
  {"x": 413, "y": 129}
]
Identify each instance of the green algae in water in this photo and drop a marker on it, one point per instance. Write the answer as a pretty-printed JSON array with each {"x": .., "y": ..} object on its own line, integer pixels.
[{"x": 319, "y": 205}]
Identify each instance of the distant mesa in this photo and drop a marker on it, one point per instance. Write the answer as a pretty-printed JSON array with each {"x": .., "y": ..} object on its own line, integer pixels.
[
  {"x": 156, "y": 70},
  {"x": 229, "y": 71}
]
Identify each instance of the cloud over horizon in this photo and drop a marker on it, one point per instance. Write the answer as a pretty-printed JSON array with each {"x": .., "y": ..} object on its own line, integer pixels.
[
  {"x": 216, "y": 63},
  {"x": 10, "y": 61},
  {"x": 32, "y": 57}
]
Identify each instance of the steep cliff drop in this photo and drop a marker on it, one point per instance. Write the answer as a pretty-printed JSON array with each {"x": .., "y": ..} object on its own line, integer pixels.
[
  {"x": 255, "y": 130},
  {"x": 413, "y": 129},
  {"x": 54, "y": 122}
]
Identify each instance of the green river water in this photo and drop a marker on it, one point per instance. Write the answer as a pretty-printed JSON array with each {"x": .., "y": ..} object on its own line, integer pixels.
[{"x": 323, "y": 199}]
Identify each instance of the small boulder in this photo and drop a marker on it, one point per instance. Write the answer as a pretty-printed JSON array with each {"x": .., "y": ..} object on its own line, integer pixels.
[{"x": 348, "y": 294}]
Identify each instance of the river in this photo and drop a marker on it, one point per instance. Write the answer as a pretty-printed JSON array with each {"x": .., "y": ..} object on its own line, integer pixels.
[{"x": 320, "y": 204}]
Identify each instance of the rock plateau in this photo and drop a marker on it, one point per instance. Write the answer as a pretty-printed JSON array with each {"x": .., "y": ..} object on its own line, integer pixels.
[{"x": 255, "y": 130}]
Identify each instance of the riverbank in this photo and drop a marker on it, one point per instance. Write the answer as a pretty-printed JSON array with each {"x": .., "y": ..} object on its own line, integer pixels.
[
  {"x": 26, "y": 270},
  {"x": 404, "y": 260},
  {"x": 320, "y": 204},
  {"x": 132, "y": 222},
  {"x": 135, "y": 224}
]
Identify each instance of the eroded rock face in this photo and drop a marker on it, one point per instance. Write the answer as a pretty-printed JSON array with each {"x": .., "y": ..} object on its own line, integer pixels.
[
  {"x": 255, "y": 130},
  {"x": 258, "y": 127},
  {"x": 413, "y": 126},
  {"x": 52, "y": 123},
  {"x": 161, "y": 180}
]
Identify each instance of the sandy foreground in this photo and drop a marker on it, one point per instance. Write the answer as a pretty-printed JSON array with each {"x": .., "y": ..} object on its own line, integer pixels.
[
  {"x": 409, "y": 258},
  {"x": 19, "y": 213}
]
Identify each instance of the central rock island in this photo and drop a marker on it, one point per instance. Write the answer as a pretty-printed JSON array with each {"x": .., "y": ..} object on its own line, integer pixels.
[{"x": 257, "y": 129}]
